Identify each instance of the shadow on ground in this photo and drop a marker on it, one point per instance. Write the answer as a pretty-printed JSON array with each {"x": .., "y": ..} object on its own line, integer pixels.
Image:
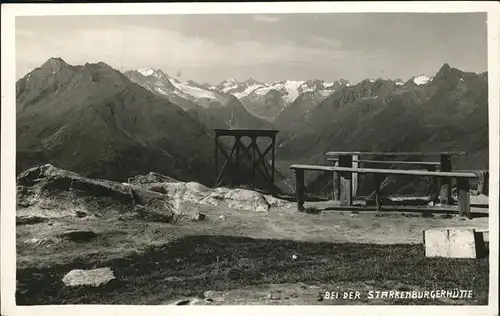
[{"x": 191, "y": 265}]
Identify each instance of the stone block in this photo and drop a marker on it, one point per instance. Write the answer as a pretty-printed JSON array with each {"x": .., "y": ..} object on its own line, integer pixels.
[{"x": 454, "y": 243}]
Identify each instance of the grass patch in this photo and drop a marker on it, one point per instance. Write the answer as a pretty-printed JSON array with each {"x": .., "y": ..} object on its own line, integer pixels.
[{"x": 191, "y": 265}]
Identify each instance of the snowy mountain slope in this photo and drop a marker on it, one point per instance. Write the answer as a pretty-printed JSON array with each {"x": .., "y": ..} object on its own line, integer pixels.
[
  {"x": 156, "y": 81},
  {"x": 261, "y": 99},
  {"x": 215, "y": 108}
]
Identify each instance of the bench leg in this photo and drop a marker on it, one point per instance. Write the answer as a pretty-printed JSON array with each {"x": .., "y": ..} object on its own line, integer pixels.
[
  {"x": 355, "y": 176},
  {"x": 463, "y": 197},
  {"x": 336, "y": 185},
  {"x": 482, "y": 186},
  {"x": 345, "y": 181},
  {"x": 445, "y": 193},
  {"x": 299, "y": 188},
  {"x": 433, "y": 186},
  {"x": 345, "y": 189},
  {"x": 378, "y": 200}
]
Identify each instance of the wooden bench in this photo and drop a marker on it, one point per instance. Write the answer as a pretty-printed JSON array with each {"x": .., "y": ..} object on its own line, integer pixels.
[
  {"x": 352, "y": 159},
  {"x": 346, "y": 187}
]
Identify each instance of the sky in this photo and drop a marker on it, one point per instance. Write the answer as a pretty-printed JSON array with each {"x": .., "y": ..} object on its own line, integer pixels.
[{"x": 267, "y": 47}]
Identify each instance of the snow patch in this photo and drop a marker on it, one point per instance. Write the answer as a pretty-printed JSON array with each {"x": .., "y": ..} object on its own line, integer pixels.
[
  {"x": 248, "y": 90},
  {"x": 193, "y": 91},
  {"x": 229, "y": 84},
  {"x": 421, "y": 80},
  {"x": 146, "y": 71}
]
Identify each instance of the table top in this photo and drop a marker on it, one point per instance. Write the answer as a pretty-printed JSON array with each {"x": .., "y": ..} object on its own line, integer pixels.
[
  {"x": 245, "y": 132},
  {"x": 402, "y": 153}
]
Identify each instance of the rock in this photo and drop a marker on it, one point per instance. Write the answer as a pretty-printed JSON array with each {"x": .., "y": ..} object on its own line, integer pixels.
[
  {"x": 274, "y": 296},
  {"x": 261, "y": 208},
  {"x": 194, "y": 193},
  {"x": 149, "y": 178},
  {"x": 209, "y": 294},
  {"x": 190, "y": 301},
  {"x": 222, "y": 217},
  {"x": 45, "y": 241},
  {"x": 48, "y": 192},
  {"x": 94, "y": 277},
  {"x": 275, "y": 202},
  {"x": 199, "y": 217},
  {"x": 68, "y": 191},
  {"x": 294, "y": 257}
]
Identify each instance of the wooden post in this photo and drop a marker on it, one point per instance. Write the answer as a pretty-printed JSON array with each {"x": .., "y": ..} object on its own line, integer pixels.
[
  {"x": 237, "y": 146},
  {"x": 345, "y": 181},
  {"x": 254, "y": 162},
  {"x": 299, "y": 188},
  {"x": 433, "y": 185},
  {"x": 445, "y": 193},
  {"x": 463, "y": 197},
  {"x": 355, "y": 176},
  {"x": 216, "y": 151},
  {"x": 273, "y": 157},
  {"x": 483, "y": 183},
  {"x": 378, "y": 200},
  {"x": 228, "y": 161},
  {"x": 336, "y": 184}
]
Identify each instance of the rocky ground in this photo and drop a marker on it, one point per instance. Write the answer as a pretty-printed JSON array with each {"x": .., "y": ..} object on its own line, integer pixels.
[{"x": 159, "y": 241}]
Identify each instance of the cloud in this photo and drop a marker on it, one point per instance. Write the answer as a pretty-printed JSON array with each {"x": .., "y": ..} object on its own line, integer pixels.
[
  {"x": 134, "y": 47},
  {"x": 265, "y": 18}
]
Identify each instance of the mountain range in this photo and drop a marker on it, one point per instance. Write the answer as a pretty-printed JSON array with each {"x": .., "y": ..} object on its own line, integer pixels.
[
  {"x": 97, "y": 121},
  {"x": 262, "y": 100},
  {"x": 92, "y": 119},
  {"x": 447, "y": 112}
]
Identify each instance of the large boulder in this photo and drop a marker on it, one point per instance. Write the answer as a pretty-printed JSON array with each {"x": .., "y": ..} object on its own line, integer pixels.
[
  {"x": 47, "y": 191},
  {"x": 195, "y": 193}
]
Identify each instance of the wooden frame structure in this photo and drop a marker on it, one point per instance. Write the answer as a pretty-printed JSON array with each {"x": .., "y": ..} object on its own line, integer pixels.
[{"x": 252, "y": 152}]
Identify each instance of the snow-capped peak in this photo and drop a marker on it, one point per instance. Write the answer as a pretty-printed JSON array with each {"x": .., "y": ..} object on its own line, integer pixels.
[
  {"x": 146, "y": 72},
  {"x": 399, "y": 82},
  {"x": 328, "y": 84},
  {"x": 421, "y": 79},
  {"x": 157, "y": 73}
]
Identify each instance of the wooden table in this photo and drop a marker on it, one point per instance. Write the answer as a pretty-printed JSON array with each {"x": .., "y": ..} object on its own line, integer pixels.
[{"x": 352, "y": 159}]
